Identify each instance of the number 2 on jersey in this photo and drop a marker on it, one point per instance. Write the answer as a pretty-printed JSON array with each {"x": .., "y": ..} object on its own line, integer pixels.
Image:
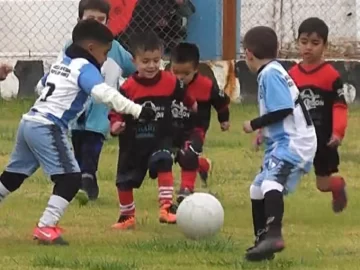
[
  {"x": 50, "y": 91},
  {"x": 299, "y": 101}
]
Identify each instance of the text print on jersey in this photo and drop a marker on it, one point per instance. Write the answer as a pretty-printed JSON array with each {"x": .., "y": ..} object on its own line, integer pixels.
[
  {"x": 300, "y": 102},
  {"x": 312, "y": 100},
  {"x": 147, "y": 130},
  {"x": 179, "y": 110}
]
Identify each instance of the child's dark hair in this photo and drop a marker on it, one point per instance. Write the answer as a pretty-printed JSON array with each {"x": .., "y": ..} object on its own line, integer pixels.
[
  {"x": 186, "y": 53},
  {"x": 262, "y": 42},
  {"x": 91, "y": 30},
  {"x": 145, "y": 41},
  {"x": 314, "y": 25},
  {"x": 100, "y": 5}
]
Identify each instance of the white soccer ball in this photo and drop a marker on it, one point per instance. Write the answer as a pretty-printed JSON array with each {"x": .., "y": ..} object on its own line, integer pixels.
[{"x": 199, "y": 216}]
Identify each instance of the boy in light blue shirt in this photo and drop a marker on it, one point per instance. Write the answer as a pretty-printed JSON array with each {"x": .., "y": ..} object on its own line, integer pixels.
[{"x": 90, "y": 130}]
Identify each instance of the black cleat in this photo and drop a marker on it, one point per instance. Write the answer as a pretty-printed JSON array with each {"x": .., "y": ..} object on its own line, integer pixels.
[
  {"x": 265, "y": 249},
  {"x": 182, "y": 194}
]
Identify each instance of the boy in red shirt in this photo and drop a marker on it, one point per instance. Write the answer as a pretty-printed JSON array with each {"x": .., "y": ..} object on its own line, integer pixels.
[
  {"x": 147, "y": 146},
  {"x": 322, "y": 91},
  {"x": 191, "y": 128}
]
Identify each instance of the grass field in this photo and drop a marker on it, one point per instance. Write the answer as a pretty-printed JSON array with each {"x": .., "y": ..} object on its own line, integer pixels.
[{"x": 316, "y": 237}]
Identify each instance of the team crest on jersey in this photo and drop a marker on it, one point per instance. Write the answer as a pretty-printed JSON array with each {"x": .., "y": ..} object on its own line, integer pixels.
[
  {"x": 311, "y": 100},
  {"x": 179, "y": 110},
  {"x": 159, "y": 110}
]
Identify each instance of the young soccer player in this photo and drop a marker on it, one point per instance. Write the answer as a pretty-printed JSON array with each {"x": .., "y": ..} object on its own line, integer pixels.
[
  {"x": 289, "y": 137},
  {"x": 146, "y": 147},
  {"x": 91, "y": 129},
  {"x": 322, "y": 91},
  {"x": 191, "y": 129},
  {"x": 41, "y": 139}
]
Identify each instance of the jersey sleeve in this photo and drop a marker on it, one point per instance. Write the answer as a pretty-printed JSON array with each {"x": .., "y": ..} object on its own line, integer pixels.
[
  {"x": 277, "y": 95},
  {"x": 91, "y": 81},
  {"x": 339, "y": 109},
  {"x": 126, "y": 60},
  {"x": 220, "y": 101},
  {"x": 41, "y": 84}
]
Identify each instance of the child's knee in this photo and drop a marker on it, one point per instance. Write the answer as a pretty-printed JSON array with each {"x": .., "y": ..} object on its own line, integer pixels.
[
  {"x": 268, "y": 185},
  {"x": 256, "y": 193},
  {"x": 323, "y": 183},
  {"x": 12, "y": 181},
  {"x": 66, "y": 185}
]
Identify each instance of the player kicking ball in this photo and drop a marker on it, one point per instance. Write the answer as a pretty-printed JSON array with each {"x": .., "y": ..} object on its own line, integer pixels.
[
  {"x": 42, "y": 134},
  {"x": 289, "y": 137}
]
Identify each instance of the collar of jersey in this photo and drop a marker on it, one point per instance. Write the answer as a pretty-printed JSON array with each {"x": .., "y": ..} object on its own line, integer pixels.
[{"x": 75, "y": 51}]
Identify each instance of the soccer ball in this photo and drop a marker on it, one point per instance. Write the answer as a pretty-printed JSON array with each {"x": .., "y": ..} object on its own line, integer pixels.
[{"x": 199, "y": 216}]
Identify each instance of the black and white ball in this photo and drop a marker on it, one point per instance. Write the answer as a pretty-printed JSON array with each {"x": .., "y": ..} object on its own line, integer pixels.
[{"x": 199, "y": 216}]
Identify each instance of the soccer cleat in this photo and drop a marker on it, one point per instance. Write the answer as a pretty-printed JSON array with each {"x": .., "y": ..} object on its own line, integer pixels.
[
  {"x": 90, "y": 186},
  {"x": 260, "y": 237},
  {"x": 204, "y": 174},
  {"x": 49, "y": 236},
  {"x": 125, "y": 223},
  {"x": 182, "y": 194},
  {"x": 339, "y": 201},
  {"x": 265, "y": 249},
  {"x": 167, "y": 214}
]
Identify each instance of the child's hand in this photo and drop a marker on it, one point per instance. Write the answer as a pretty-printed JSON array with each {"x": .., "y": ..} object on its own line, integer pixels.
[
  {"x": 5, "y": 69},
  {"x": 247, "y": 127},
  {"x": 258, "y": 140},
  {"x": 194, "y": 107},
  {"x": 117, "y": 128},
  {"x": 225, "y": 126},
  {"x": 335, "y": 141}
]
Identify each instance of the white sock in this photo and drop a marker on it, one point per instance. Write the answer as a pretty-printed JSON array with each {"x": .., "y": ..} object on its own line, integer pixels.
[
  {"x": 53, "y": 212},
  {"x": 4, "y": 192}
]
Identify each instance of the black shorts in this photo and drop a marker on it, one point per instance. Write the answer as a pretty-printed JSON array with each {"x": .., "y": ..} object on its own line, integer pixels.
[
  {"x": 326, "y": 161},
  {"x": 87, "y": 148},
  {"x": 133, "y": 163}
]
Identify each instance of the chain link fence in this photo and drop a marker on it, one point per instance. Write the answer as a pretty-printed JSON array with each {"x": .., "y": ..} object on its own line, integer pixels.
[
  {"x": 285, "y": 16},
  {"x": 39, "y": 28}
]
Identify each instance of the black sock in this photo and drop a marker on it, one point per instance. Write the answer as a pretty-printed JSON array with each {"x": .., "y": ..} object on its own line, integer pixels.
[
  {"x": 274, "y": 211},
  {"x": 258, "y": 215}
]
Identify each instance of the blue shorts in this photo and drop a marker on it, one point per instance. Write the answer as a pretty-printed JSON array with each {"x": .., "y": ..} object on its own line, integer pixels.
[
  {"x": 283, "y": 172},
  {"x": 42, "y": 145}
]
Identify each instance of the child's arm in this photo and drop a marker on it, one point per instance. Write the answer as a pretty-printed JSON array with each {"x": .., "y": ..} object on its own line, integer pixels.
[
  {"x": 91, "y": 81},
  {"x": 124, "y": 60},
  {"x": 340, "y": 110},
  {"x": 220, "y": 101},
  {"x": 278, "y": 101},
  {"x": 117, "y": 123}
]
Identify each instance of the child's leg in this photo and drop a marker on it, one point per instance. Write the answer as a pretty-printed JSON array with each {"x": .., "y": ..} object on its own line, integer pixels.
[
  {"x": 326, "y": 163},
  {"x": 90, "y": 152},
  {"x": 188, "y": 158},
  {"x": 130, "y": 175},
  {"x": 205, "y": 166},
  {"x": 161, "y": 161},
  {"x": 21, "y": 165},
  {"x": 50, "y": 146}
]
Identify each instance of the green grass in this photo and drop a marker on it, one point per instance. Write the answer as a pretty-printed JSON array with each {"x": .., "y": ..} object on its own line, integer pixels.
[{"x": 316, "y": 237}]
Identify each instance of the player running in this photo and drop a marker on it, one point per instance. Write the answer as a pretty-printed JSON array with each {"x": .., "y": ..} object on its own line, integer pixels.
[
  {"x": 322, "y": 90},
  {"x": 42, "y": 139},
  {"x": 289, "y": 137}
]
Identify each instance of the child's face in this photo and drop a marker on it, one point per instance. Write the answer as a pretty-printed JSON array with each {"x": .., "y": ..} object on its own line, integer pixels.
[
  {"x": 95, "y": 15},
  {"x": 311, "y": 47},
  {"x": 147, "y": 63},
  {"x": 184, "y": 71},
  {"x": 99, "y": 51}
]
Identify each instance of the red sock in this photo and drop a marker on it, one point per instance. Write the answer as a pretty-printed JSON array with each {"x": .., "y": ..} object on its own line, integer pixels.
[
  {"x": 126, "y": 200},
  {"x": 336, "y": 183},
  {"x": 166, "y": 187},
  {"x": 204, "y": 165},
  {"x": 188, "y": 179}
]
